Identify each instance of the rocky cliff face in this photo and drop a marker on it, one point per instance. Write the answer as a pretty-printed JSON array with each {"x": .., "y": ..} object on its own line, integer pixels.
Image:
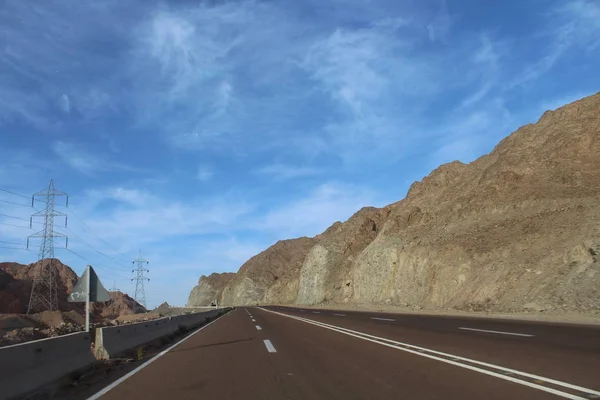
[
  {"x": 514, "y": 230},
  {"x": 271, "y": 276},
  {"x": 326, "y": 274},
  {"x": 209, "y": 289}
]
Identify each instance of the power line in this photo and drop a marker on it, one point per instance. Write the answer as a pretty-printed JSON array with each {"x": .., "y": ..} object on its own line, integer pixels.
[
  {"x": 18, "y": 244},
  {"x": 21, "y": 219},
  {"x": 99, "y": 265},
  {"x": 10, "y": 216},
  {"x": 22, "y": 195},
  {"x": 90, "y": 229},
  {"x": 96, "y": 250},
  {"x": 14, "y": 248},
  {"x": 16, "y": 194},
  {"x": 16, "y": 204},
  {"x": 17, "y": 226}
]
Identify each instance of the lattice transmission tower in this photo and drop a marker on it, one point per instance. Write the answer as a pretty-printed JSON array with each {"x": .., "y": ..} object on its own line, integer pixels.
[
  {"x": 44, "y": 291},
  {"x": 113, "y": 292},
  {"x": 140, "y": 277}
]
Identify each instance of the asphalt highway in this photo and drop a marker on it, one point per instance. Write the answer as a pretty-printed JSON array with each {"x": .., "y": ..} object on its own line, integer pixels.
[{"x": 292, "y": 353}]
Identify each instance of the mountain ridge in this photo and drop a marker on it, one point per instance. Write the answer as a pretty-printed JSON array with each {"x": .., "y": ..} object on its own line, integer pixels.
[{"x": 516, "y": 229}]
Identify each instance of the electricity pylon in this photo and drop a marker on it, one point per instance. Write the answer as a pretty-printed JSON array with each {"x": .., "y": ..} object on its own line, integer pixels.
[
  {"x": 140, "y": 277},
  {"x": 113, "y": 292},
  {"x": 44, "y": 291}
]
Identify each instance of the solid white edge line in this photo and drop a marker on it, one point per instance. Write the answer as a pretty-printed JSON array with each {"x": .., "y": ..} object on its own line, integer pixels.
[
  {"x": 367, "y": 337},
  {"x": 498, "y": 332},
  {"x": 269, "y": 346},
  {"x": 258, "y": 328},
  {"x": 383, "y": 319},
  {"x": 150, "y": 361}
]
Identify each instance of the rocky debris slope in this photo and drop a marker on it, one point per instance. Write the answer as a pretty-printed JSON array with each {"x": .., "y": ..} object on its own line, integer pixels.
[
  {"x": 23, "y": 328},
  {"x": 209, "y": 289},
  {"x": 271, "y": 276},
  {"x": 516, "y": 230}
]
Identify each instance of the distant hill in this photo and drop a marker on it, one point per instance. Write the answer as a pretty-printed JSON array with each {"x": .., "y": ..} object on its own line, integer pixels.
[
  {"x": 209, "y": 289},
  {"x": 15, "y": 289}
]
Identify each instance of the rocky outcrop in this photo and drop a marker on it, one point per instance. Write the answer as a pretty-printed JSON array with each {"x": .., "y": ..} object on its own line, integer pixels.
[
  {"x": 14, "y": 297},
  {"x": 271, "y": 276},
  {"x": 326, "y": 274},
  {"x": 516, "y": 230},
  {"x": 209, "y": 289}
]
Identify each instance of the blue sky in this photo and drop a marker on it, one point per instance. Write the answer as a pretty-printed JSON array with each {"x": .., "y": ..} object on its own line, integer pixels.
[{"x": 204, "y": 131}]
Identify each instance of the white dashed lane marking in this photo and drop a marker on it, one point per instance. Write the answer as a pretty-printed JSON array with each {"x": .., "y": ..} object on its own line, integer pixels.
[
  {"x": 340, "y": 315},
  {"x": 382, "y": 319},
  {"x": 497, "y": 332},
  {"x": 258, "y": 328},
  {"x": 269, "y": 346},
  {"x": 515, "y": 376}
]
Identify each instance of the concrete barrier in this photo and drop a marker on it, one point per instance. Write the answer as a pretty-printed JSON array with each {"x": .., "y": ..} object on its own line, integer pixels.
[
  {"x": 28, "y": 366},
  {"x": 115, "y": 340}
]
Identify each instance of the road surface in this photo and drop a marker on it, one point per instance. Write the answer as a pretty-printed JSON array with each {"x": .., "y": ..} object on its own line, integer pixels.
[{"x": 289, "y": 353}]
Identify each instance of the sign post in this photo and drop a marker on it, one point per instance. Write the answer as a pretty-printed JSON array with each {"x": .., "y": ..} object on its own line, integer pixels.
[{"x": 88, "y": 288}]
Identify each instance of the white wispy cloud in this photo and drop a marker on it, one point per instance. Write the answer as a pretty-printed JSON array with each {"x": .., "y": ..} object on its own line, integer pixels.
[
  {"x": 65, "y": 103},
  {"x": 151, "y": 219},
  {"x": 377, "y": 82},
  {"x": 284, "y": 172},
  {"x": 86, "y": 162},
  {"x": 440, "y": 25},
  {"x": 571, "y": 25},
  {"x": 128, "y": 195},
  {"x": 467, "y": 136},
  {"x": 204, "y": 173},
  {"x": 77, "y": 159},
  {"x": 315, "y": 212},
  {"x": 486, "y": 70}
]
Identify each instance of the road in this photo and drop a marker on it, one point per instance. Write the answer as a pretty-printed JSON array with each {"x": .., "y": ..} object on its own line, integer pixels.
[{"x": 289, "y": 353}]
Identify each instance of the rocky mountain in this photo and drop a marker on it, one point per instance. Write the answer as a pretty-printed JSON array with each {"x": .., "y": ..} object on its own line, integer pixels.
[
  {"x": 15, "y": 289},
  {"x": 209, "y": 289},
  {"x": 518, "y": 229}
]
